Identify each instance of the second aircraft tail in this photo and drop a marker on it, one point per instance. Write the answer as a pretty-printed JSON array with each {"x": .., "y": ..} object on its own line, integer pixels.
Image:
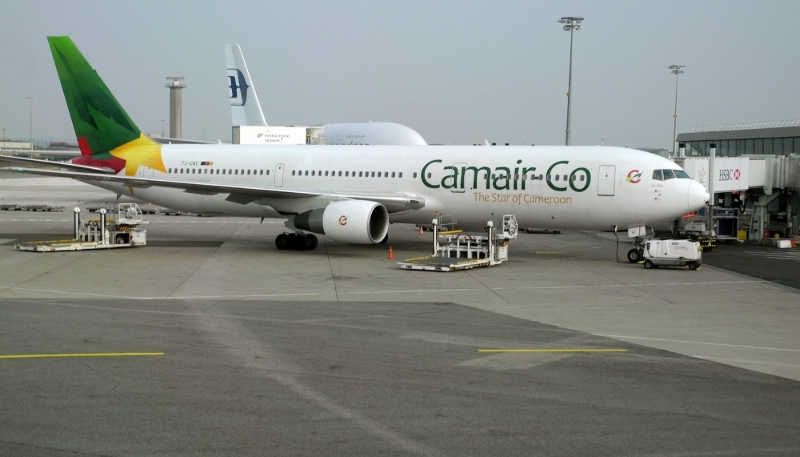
[{"x": 245, "y": 108}]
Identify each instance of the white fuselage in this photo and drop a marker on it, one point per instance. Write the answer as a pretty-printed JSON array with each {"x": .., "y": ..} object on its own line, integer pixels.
[{"x": 549, "y": 187}]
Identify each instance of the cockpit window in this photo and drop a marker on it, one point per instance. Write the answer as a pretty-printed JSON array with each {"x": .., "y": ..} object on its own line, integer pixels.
[{"x": 663, "y": 175}]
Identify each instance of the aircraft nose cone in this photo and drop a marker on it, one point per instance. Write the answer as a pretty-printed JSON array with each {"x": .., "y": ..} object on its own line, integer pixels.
[{"x": 698, "y": 196}]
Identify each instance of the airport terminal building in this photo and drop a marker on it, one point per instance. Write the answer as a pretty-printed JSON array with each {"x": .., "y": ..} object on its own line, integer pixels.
[{"x": 734, "y": 140}]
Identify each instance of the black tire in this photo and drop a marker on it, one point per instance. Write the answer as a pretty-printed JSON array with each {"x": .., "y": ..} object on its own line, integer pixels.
[
  {"x": 311, "y": 242},
  {"x": 693, "y": 265},
  {"x": 385, "y": 239},
  {"x": 282, "y": 242},
  {"x": 634, "y": 255},
  {"x": 119, "y": 239},
  {"x": 298, "y": 242},
  {"x": 648, "y": 264}
]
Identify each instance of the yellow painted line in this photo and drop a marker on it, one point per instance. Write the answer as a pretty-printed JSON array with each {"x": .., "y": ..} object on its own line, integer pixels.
[
  {"x": 552, "y": 350},
  {"x": 100, "y": 354},
  {"x": 421, "y": 258}
]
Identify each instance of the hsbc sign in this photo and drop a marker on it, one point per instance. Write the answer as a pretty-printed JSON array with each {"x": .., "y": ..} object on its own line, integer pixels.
[{"x": 730, "y": 174}]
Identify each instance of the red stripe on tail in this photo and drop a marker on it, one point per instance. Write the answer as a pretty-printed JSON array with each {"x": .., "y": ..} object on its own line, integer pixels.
[{"x": 84, "y": 145}]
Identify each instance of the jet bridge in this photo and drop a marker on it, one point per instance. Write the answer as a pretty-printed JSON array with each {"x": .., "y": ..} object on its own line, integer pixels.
[{"x": 753, "y": 187}]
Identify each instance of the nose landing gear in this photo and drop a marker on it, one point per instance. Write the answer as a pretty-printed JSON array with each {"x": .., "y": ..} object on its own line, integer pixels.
[{"x": 635, "y": 255}]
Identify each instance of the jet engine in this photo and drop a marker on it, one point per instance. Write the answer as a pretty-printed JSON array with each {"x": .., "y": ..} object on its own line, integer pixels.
[{"x": 349, "y": 221}]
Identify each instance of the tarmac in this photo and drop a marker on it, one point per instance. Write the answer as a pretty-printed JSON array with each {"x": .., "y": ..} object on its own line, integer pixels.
[{"x": 339, "y": 352}]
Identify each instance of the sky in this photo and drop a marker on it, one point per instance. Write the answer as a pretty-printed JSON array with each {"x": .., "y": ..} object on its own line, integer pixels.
[{"x": 457, "y": 72}]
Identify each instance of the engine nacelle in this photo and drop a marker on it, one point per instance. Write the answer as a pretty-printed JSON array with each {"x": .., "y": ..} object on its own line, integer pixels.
[{"x": 349, "y": 221}]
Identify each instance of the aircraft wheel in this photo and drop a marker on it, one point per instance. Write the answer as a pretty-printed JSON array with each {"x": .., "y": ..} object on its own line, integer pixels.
[
  {"x": 634, "y": 255},
  {"x": 311, "y": 242},
  {"x": 298, "y": 242},
  {"x": 648, "y": 264},
  {"x": 385, "y": 239},
  {"x": 693, "y": 265},
  {"x": 282, "y": 242}
]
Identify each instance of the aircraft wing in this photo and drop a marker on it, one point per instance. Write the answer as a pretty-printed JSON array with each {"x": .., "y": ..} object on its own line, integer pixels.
[
  {"x": 53, "y": 163},
  {"x": 179, "y": 141},
  {"x": 277, "y": 197}
]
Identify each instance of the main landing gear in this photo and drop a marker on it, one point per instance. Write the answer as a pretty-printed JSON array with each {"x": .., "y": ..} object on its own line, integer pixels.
[{"x": 295, "y": 241}]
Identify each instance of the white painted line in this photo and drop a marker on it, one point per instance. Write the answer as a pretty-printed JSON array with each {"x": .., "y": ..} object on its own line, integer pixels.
[
  {"x": 705, "y": 283},
  {"x": 757, "y": 362},
  {"x": 381, "y": 292},
  {"x": 695, "y": 342}
]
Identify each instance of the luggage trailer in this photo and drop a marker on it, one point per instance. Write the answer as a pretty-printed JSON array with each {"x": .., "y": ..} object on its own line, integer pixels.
[
  {"x": 105, "y": 233},
  {"x": 466, "y": 250}
]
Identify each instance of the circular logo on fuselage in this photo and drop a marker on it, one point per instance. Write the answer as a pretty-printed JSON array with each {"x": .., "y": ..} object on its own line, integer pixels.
[
  {"x": 343, "y": 220},
  {"x": 634, "y": 176}
]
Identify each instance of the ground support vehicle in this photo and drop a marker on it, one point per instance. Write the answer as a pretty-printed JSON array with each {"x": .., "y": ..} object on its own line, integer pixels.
[
  {"x": 696, "y": 231},
  {"x": 672, "y": 253},
  {"x": 465, "y": 250},
  {"x": 104, "y": 233}
]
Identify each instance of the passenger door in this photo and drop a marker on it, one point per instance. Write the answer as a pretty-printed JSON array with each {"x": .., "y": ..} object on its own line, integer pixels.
[
  {"x": 458, "y": 168},
  {"x": 279, "y": 174}
]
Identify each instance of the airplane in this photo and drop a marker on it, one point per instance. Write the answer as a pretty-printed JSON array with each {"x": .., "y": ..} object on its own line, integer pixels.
[
  {"x": 352, "y": 193},
  {"x": 246, "y": 111}
]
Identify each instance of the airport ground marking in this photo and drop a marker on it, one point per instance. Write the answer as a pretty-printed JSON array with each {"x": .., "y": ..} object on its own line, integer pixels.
[
  {"x": 388, "y": 292},
  {"x": 87, "y": 354},
  {"x": 757, "y": 362},
  {"x": 576, "y": 350},
  {"x": 696, "y": 342}
]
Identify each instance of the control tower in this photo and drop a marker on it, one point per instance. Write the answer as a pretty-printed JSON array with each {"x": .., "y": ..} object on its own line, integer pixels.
[{"x": 176, "y": 85}]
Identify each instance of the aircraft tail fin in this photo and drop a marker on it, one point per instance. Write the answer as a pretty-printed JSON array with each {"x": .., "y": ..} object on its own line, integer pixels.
[
  {"x": 101, "y": 124},
  {"x": 245, "y": 109}
]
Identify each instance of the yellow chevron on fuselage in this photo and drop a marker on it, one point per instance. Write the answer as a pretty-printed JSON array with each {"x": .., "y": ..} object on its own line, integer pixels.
[{"x": 140, "y": 152}]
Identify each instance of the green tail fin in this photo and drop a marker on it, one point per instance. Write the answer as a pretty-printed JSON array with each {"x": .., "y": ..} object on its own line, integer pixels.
[{"x": 100, "y": 123}]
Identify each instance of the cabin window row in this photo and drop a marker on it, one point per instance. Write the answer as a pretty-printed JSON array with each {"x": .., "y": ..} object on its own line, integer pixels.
[
  {"x": 539, "y": 177},
  {"x": 347, "y": 174},
  {"x": 216, "y": 171}
]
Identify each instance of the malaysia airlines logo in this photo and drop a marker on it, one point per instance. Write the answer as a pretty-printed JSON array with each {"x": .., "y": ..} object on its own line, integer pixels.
[
  {"x": 634, "y": 176},
  {"x": 343, "y": 220},
  {"x": 238, "y": 87}
]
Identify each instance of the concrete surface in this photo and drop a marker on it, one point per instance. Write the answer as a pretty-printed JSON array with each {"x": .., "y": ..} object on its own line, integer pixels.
[{"x": 337, "y": 351}]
